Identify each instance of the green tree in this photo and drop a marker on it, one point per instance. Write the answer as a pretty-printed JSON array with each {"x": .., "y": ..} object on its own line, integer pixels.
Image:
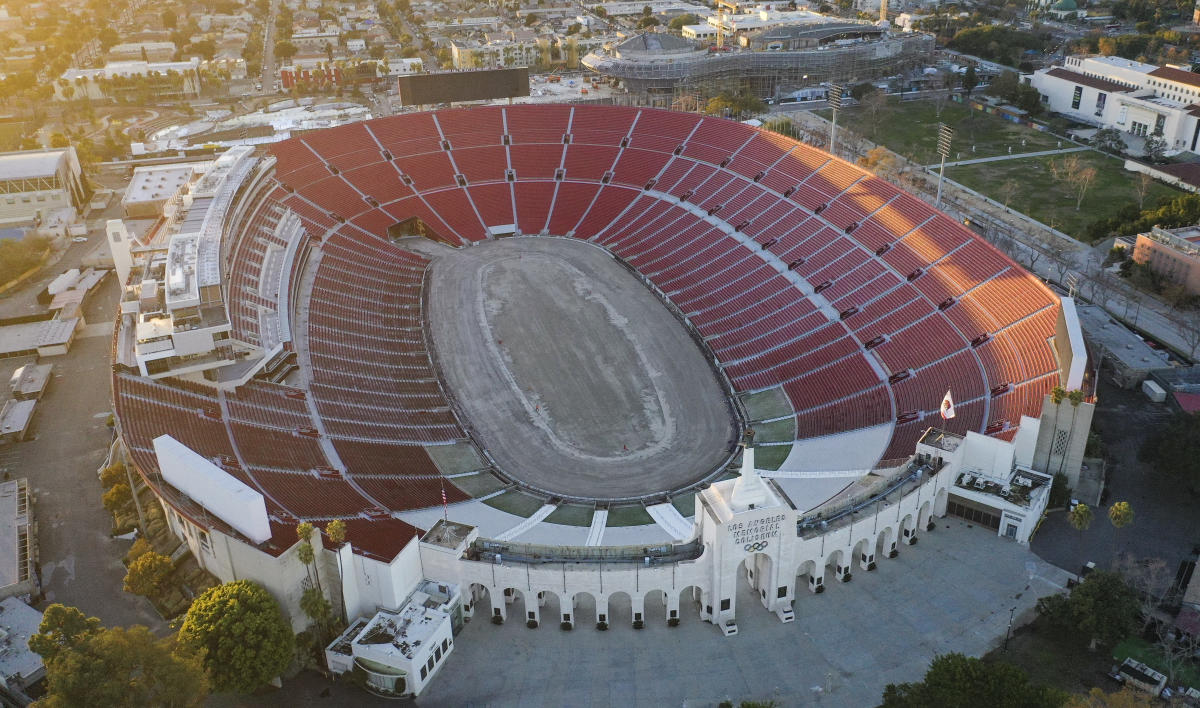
[
  {"x": 1120, "y": 515},
  {"x": 1102, "y": 609},
  {"x": 121, "y": 668},
  {"x": 648, "y": 22},
  {"x": 244, "y": 637},
  {"x": 62, "y": 628},
  {"x": 684, "y": 19},
  {"x": 117, "y": 497},
  {"x": 957, "y": 681},
  {"x": 1155, "y": 148},
  {"x": 970, "y": 80},
  {"x": 1108, "y": 140},
  {"x": 336, "y": 530},
  {"x": 532, "y": 19},
  {"x": 1080, "y": 519},
  {"x": 146, "y": 573},
  {"x": 284, "y": 50},
  {"x": 316, "y": 607},
  {"x": 111, "y": 475},
  {"x": 58, "y": 140}
]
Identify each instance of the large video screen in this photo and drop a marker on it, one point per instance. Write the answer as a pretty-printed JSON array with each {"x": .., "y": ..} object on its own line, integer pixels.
[{"x": 454, "y": 86}]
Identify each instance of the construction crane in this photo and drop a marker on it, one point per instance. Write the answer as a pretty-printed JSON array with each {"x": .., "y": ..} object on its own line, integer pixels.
[{"x": 731, "y": 5}]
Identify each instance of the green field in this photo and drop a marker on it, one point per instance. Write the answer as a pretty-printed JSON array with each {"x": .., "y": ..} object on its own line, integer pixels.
[
  {"x": 515, "y": 502},
  {"x": 629, "y": 516},
  {"x": 1052, "y": 201},
  {"x": 910, "y": 129},
  {"x": 783, "y": 430},
  {"x": 571, "y": 515},
  {"x": 771, "y": 456}
]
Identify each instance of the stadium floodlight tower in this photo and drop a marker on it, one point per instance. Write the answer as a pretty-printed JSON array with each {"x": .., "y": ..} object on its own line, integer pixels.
[
  {"x": 835, "y": 102},
  {"x": 945, "y": 137}
]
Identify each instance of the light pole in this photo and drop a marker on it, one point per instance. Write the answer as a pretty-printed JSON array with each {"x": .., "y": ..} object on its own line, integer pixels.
[
  {"x": 1008, "y": 632},
  {"x": 835, "y": 102},
  {"x": 945, "y": 137}
]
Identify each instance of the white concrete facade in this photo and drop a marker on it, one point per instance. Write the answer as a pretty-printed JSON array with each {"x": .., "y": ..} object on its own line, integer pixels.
[{"x": 1134, "y": 97}]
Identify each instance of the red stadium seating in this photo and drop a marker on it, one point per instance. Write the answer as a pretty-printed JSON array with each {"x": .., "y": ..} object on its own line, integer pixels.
[{"x": 799, "y": 271}]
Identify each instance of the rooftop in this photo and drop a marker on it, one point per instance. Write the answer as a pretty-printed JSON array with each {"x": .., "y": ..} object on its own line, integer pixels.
[
  {"x": 18, "y": 622},
  {"x": 14, "y": 525},
  {"x": 447, "y": 534},
  {"x": 157, "y": 182},
  {"x": 28, "y": 336},
  {"x": 32, "y": 163},
  {"x": 1089, "y": 81},
  {"x": 399, "y": 634},
  {"x": 1117, "y": 340},
  {"x": 1179, "y": 76},
  {"x": 30, "y": 379},
  {"x": 15, "y": 416}
]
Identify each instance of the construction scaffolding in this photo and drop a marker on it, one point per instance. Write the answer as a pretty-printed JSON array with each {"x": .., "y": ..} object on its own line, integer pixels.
[{"x": 692, "y": 77}]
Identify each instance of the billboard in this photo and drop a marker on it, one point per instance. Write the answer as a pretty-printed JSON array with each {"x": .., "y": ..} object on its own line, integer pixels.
[{"x": 454, "y": 86}]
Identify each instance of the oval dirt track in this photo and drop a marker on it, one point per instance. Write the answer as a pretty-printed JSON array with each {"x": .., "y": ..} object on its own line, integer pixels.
[{"x": 575, "y": 377}]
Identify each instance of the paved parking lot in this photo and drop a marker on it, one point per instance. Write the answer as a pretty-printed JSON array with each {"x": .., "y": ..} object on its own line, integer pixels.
[
  {"x": 80, "y": 562},
  {"x": 951, "y": 592}
]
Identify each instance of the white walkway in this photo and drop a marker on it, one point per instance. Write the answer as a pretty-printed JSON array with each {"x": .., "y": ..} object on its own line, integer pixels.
[
  {"x": 527, "y": 523},
  {"x": 854, "y": 449},
  {"x": 596, "y": 532},
  {"x": 671, "y": 521}
]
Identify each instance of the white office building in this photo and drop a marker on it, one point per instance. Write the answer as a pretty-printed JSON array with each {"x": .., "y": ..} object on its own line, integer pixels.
[{"x": 1137, "y": 98}]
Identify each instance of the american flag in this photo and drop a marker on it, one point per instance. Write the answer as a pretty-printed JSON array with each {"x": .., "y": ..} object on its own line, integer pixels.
[{"x": 445, "y": 508}]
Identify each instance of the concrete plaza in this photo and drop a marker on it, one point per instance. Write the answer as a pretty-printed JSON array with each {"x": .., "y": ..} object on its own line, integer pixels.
[{"x": 951, "y": 593}]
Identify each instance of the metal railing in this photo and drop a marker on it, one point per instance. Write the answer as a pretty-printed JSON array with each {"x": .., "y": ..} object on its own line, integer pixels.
[{"x": 497, "y": 552}]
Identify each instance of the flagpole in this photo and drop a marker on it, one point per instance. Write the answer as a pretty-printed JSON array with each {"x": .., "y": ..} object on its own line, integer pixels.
[{"x": 445, "y": 508}]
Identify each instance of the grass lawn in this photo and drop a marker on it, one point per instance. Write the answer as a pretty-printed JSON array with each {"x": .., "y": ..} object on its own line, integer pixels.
[
  {"x": 1148, "y": 654},
  {"x": 478, "y": 485},
  {"x": 910, "y": 129},
  {"x": 771, "y": 456},
  {"x": 765, "y": 405},
  {"x": 778, "y": 431},
  {"x": 685, "y": 504},
  {"x": 515, "y": 502},
  {"x": 571, "y": 515},
  {"x": 1051, "y": 201},
  {"x": 629, "y": 516},
  {"x": 1055, "y": 659}
]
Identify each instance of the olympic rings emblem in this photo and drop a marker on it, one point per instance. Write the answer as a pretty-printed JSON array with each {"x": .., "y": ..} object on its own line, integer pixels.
[{"x": 754, "y": 547}]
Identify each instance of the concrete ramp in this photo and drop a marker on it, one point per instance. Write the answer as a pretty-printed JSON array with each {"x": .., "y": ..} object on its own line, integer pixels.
[
  {"x": 596, "y": 532},
  {"x": 527, "y": 524},
  {"x": 670, "y": 520}
]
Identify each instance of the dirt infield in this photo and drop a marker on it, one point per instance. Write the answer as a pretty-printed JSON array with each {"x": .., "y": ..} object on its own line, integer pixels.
[{"x": 572, "y": 374}]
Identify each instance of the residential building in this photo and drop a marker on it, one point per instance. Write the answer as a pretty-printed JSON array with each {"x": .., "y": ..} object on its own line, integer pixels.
[
  {"x": 145, "y": 51},
  {"x": 1173, "y": 254}
]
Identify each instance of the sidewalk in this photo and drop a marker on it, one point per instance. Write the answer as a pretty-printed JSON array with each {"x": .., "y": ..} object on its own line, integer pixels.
[{"x": 1010, "y": 156}]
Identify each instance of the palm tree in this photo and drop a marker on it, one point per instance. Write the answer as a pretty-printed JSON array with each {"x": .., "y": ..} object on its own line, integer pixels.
[
  {"x": 336, "y": 530},
  {"x": 1120, "y": 515},
  {"x": 1057, "y": 394},
  {"x": 1081, "y": 519},
  {"x": 1075, "y": 397}
]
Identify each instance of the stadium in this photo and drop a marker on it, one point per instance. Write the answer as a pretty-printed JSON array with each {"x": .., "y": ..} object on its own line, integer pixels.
[{"x": 511, "y": 346}]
